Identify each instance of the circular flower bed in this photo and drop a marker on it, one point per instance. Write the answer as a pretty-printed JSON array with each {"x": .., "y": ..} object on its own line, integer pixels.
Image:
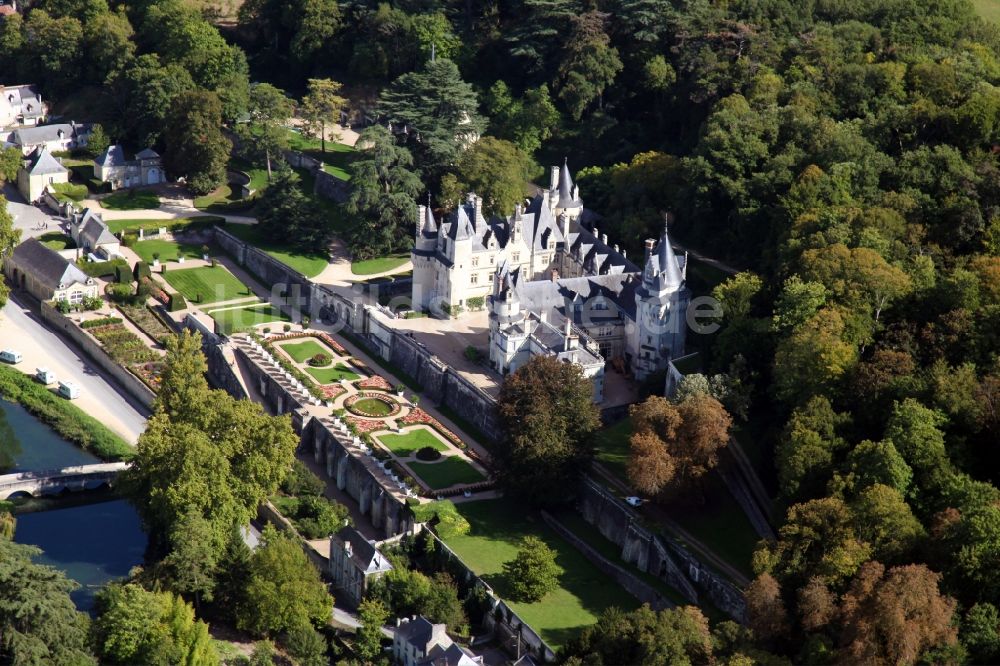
[
  {"x": 320, "y": 360},
  {"x": 372, "y": 406},
  {"x": 428, "y": 454}
]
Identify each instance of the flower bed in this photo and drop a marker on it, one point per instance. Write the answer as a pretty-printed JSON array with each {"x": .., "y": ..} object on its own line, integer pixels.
[
  {"x": 376, "y": 382},
  {"x": 359, "y": 404},
  {"x": 363, "y": 426},
  {"x": 150, "y": 374},
  {"x": 336, "y": 346},
  {"x": 332, "y": 391},
  {"x": 123, "y": 345},
  {"x": 419, "y": 416}
]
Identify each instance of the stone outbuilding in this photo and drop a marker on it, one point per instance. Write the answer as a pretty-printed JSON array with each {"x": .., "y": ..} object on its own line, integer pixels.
[
  {"x": 40, "y": 171},
  {"x": 46, "y": 275}
]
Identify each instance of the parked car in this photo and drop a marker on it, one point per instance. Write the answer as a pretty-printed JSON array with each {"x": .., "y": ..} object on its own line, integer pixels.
[
  {"x": 11, "y": 356},
  {"x": 634, "y": 501}
]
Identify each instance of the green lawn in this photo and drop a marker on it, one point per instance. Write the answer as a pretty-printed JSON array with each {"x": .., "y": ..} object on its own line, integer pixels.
[
  {"x": 309, "y": 264},
  {"x": 585, "y": 592},
  {"x": 55, "y": 240},
  {"x": 379, "y": 265},
  {"x": 168, "y": 250},
  {"x": 220, "y": 195},
  {"x": 446, "y": 472},
  {"x": 303, "y": 351},
  {"x": 373, "y": 406},
  {"x": 258, "y": 175},
  {"x": 336, "y": 160},
  {"x": 988, "y": 9},
  {"x": 613, "y": 447},
  {"x": 239, "y": 319},
  {"x": 131, "y": 200},
  {"x": 207, "y": 284},
  {"x": 134, "y": 225},
  {"x": 70, "y": 191},
  {"x": 407, "y": 444},
  {"x": 332, "y": 375}
]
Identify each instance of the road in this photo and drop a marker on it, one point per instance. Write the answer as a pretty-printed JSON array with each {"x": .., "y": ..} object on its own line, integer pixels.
[{"x": 100, "y": 396}]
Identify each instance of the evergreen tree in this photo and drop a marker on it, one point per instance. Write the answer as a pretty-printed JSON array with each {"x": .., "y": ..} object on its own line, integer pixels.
[
  {"x": 285, "y": 214},
  {"x": 196, "y": 147}
]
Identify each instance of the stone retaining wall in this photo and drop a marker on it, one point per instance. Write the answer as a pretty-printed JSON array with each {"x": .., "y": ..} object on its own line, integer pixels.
[
  {"x": 290, "y": 290},
  {"x": 135, "y": 386}
]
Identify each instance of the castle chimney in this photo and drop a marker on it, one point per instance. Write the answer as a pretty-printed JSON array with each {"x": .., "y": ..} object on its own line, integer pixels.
[
  {"x": 650, "y": 244},
  {"x": 572, "y": 340},
  {"x": 554, "y": 179},
  {"x": 596, "y": 232},
  {"x": 421, "y": 216},
  {"x": 555, "y": 275},
  {"x": 604, "y": 238}
]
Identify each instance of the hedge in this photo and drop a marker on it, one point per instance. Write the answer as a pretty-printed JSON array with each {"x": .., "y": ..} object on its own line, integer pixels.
[
  {"x": 449, "y": 521},
  {"x": 141, "y": 270},
  {"x": 123, "y": 275},
  {"x": 176, "y": 302},
  {"x": 100, "y": 268},
  {"x": 105, "y": 321},
  {"x": 65, "y": 418}
]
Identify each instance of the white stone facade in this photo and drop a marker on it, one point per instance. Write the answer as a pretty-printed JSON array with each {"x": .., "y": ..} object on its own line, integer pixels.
[{"x": 553, "y": 285}]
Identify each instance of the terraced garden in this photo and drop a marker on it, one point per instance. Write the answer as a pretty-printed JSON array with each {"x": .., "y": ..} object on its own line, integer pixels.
[{"x": 206, "y": 284}]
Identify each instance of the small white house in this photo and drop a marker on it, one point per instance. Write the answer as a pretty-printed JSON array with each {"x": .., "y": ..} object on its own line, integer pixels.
[
  {"x": 40, "y": 171},
  {"x": 145, "y": 169}
]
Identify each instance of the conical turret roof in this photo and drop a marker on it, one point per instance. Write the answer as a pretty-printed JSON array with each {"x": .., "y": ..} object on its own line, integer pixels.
[
  {"x": 566, "y": 199},
  {"x": 663, "y": 267}
]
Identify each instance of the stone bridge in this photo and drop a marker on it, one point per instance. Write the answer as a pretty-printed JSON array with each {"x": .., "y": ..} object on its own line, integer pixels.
[{"x": 53, "y": 481}]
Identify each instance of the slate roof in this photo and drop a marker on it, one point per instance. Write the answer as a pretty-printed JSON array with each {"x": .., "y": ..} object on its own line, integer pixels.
[
  {"x": 47, "y": 265},
  {"x": 146, "y": 154},
  {"x": 566, "y": 198},
  {"x": 93, "y": 231},
  {"x": 112, "y": 156},
  {"x": 663, "y": 266},
  {"x": 364, "y": 555},
  {"x": 417, "y": 632},
  {"x": 30, "y": 136},
  {"x": 41, "y": 162},
  {"x": 453, "y": 655}
]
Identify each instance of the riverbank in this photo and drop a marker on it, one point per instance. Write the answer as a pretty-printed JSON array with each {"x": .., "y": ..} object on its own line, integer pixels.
[{"x": 65, "y": 418}]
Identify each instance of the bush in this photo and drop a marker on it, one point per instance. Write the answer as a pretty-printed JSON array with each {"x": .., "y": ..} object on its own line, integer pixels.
[
  {"x": 141, "y": 271},
  {"x": 320, "y": 360},
  {"x": 472, "y": 354},
  {"x": 319, "y": 517},
  {"x": 123, "y": 275},
  {"x": 301, "y": 481},
  {"x": 63, "y": 416},
  {"x": 476, "y": 303},
  {"x": 120, "y": 293},
  {"x": 100, "y": 268},
  {"x": 64, "y": 307},
  {"x": 305, "y": 321},
  {"x": 428, "y": 453},
  {"x": 129, "y": 239},
  {"x": 92, "y": 303},
  {"x": 104, "y": 321},
  {"x": 287, "y": 327},
  {"x": 448, "y": 522},
  {"x": 176, "y": 302}
]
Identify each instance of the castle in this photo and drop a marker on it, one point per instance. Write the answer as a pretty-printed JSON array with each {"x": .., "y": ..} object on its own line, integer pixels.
[{"x": 553, "y": 285}]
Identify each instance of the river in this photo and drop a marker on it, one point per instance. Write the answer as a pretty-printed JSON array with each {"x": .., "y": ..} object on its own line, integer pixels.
[{"x": 93, "y": 543}]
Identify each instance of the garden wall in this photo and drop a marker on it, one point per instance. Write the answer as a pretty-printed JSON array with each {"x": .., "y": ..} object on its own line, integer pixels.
[
  {"x": 220, "y": 373},
  {"x": 325, "y": 185},
  {"x": 656, "y": 554},
  {"x": 501, "y": 618},
  {"x": 359, "y": 476},
  {"x": 269, "y": 271},
  {"x": 132, "y": 384}
]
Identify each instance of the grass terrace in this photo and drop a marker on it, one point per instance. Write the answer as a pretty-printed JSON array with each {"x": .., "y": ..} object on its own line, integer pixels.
[
  {"x": 332, "y": 375},
  {"x": 379, "y": 265},
  {"x": 447, "y": 472},
  {"x": 131, "y": 200},
  {"x": 239, "y": 319},
  {"x": 407, "y": 444},
  {"x": 224, "y": 194},
  {"x": 305, "y": 350},
  {"x": 134, "y": 225},
  {"x": 497, "y": 527},
  {"x": 55, "y": 240},
  {"x": 612, "y": 447},
  {"x": 69, "y": 191},
  {"x": 336, "y": 160},
  {"x": 167, "y": 250},
  {"x": 309, "y": 264},
  {"x": 206, "y": 284}
]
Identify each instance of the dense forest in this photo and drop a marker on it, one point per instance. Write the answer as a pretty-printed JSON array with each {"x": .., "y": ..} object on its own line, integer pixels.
[{"x": 843, "y": 151}]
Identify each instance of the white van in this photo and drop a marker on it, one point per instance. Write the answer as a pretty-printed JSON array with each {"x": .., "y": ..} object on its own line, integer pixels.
[
  {"x": 10, "y": 356},
  {"x": 45, "y": 376},
  {"x": 69, "y": 390}
]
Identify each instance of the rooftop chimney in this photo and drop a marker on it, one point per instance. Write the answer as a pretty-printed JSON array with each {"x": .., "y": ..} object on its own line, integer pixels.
[
  {"x": 572, "y": 340},
  {"x": 555, "y": 275},
  {"x": 553, "y": 179},
  {"x": 604, "y": 238},
  {"x": 650, "y": 244}
]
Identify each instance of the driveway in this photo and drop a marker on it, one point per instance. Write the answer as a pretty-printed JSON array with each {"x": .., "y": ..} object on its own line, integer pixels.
[
  {"x": 31, "y": 220},
  {"x": 100, "y": 396}
]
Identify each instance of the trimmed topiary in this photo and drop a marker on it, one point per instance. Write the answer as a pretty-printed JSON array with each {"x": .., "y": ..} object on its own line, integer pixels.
[{"x": 428, "y": 454}]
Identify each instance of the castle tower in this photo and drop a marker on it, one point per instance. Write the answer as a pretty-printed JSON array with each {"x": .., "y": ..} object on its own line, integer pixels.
[
  {"x": 422, "y": 255},
  {"x": 661, "y": 307},
  {"x": 564, "y": 196}
]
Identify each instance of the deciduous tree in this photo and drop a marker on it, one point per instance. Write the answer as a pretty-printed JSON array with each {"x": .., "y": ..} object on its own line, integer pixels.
[
  {"x": 494, "y": 169},
  {"x": 547, "y": 413},
  {"x": 533, "y": 573},
  {"x": 196, "y": 147},
  {"x": 321, "y": 107}
]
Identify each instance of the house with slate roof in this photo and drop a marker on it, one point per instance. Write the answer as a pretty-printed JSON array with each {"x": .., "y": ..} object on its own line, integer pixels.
[
  {"x": 40, "y": 171},
  {"x": 56, "y": 138},
  {"x": 91, "y": 234},
  {"x": 20, "y": 105},
  {"x": 146, "y": 168},
  {"x": 418, "y": 642},
  {"x": 46, "y": 275},
  {"x": 553, "y": 285},
  {"x": 355, "y": 563}
]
